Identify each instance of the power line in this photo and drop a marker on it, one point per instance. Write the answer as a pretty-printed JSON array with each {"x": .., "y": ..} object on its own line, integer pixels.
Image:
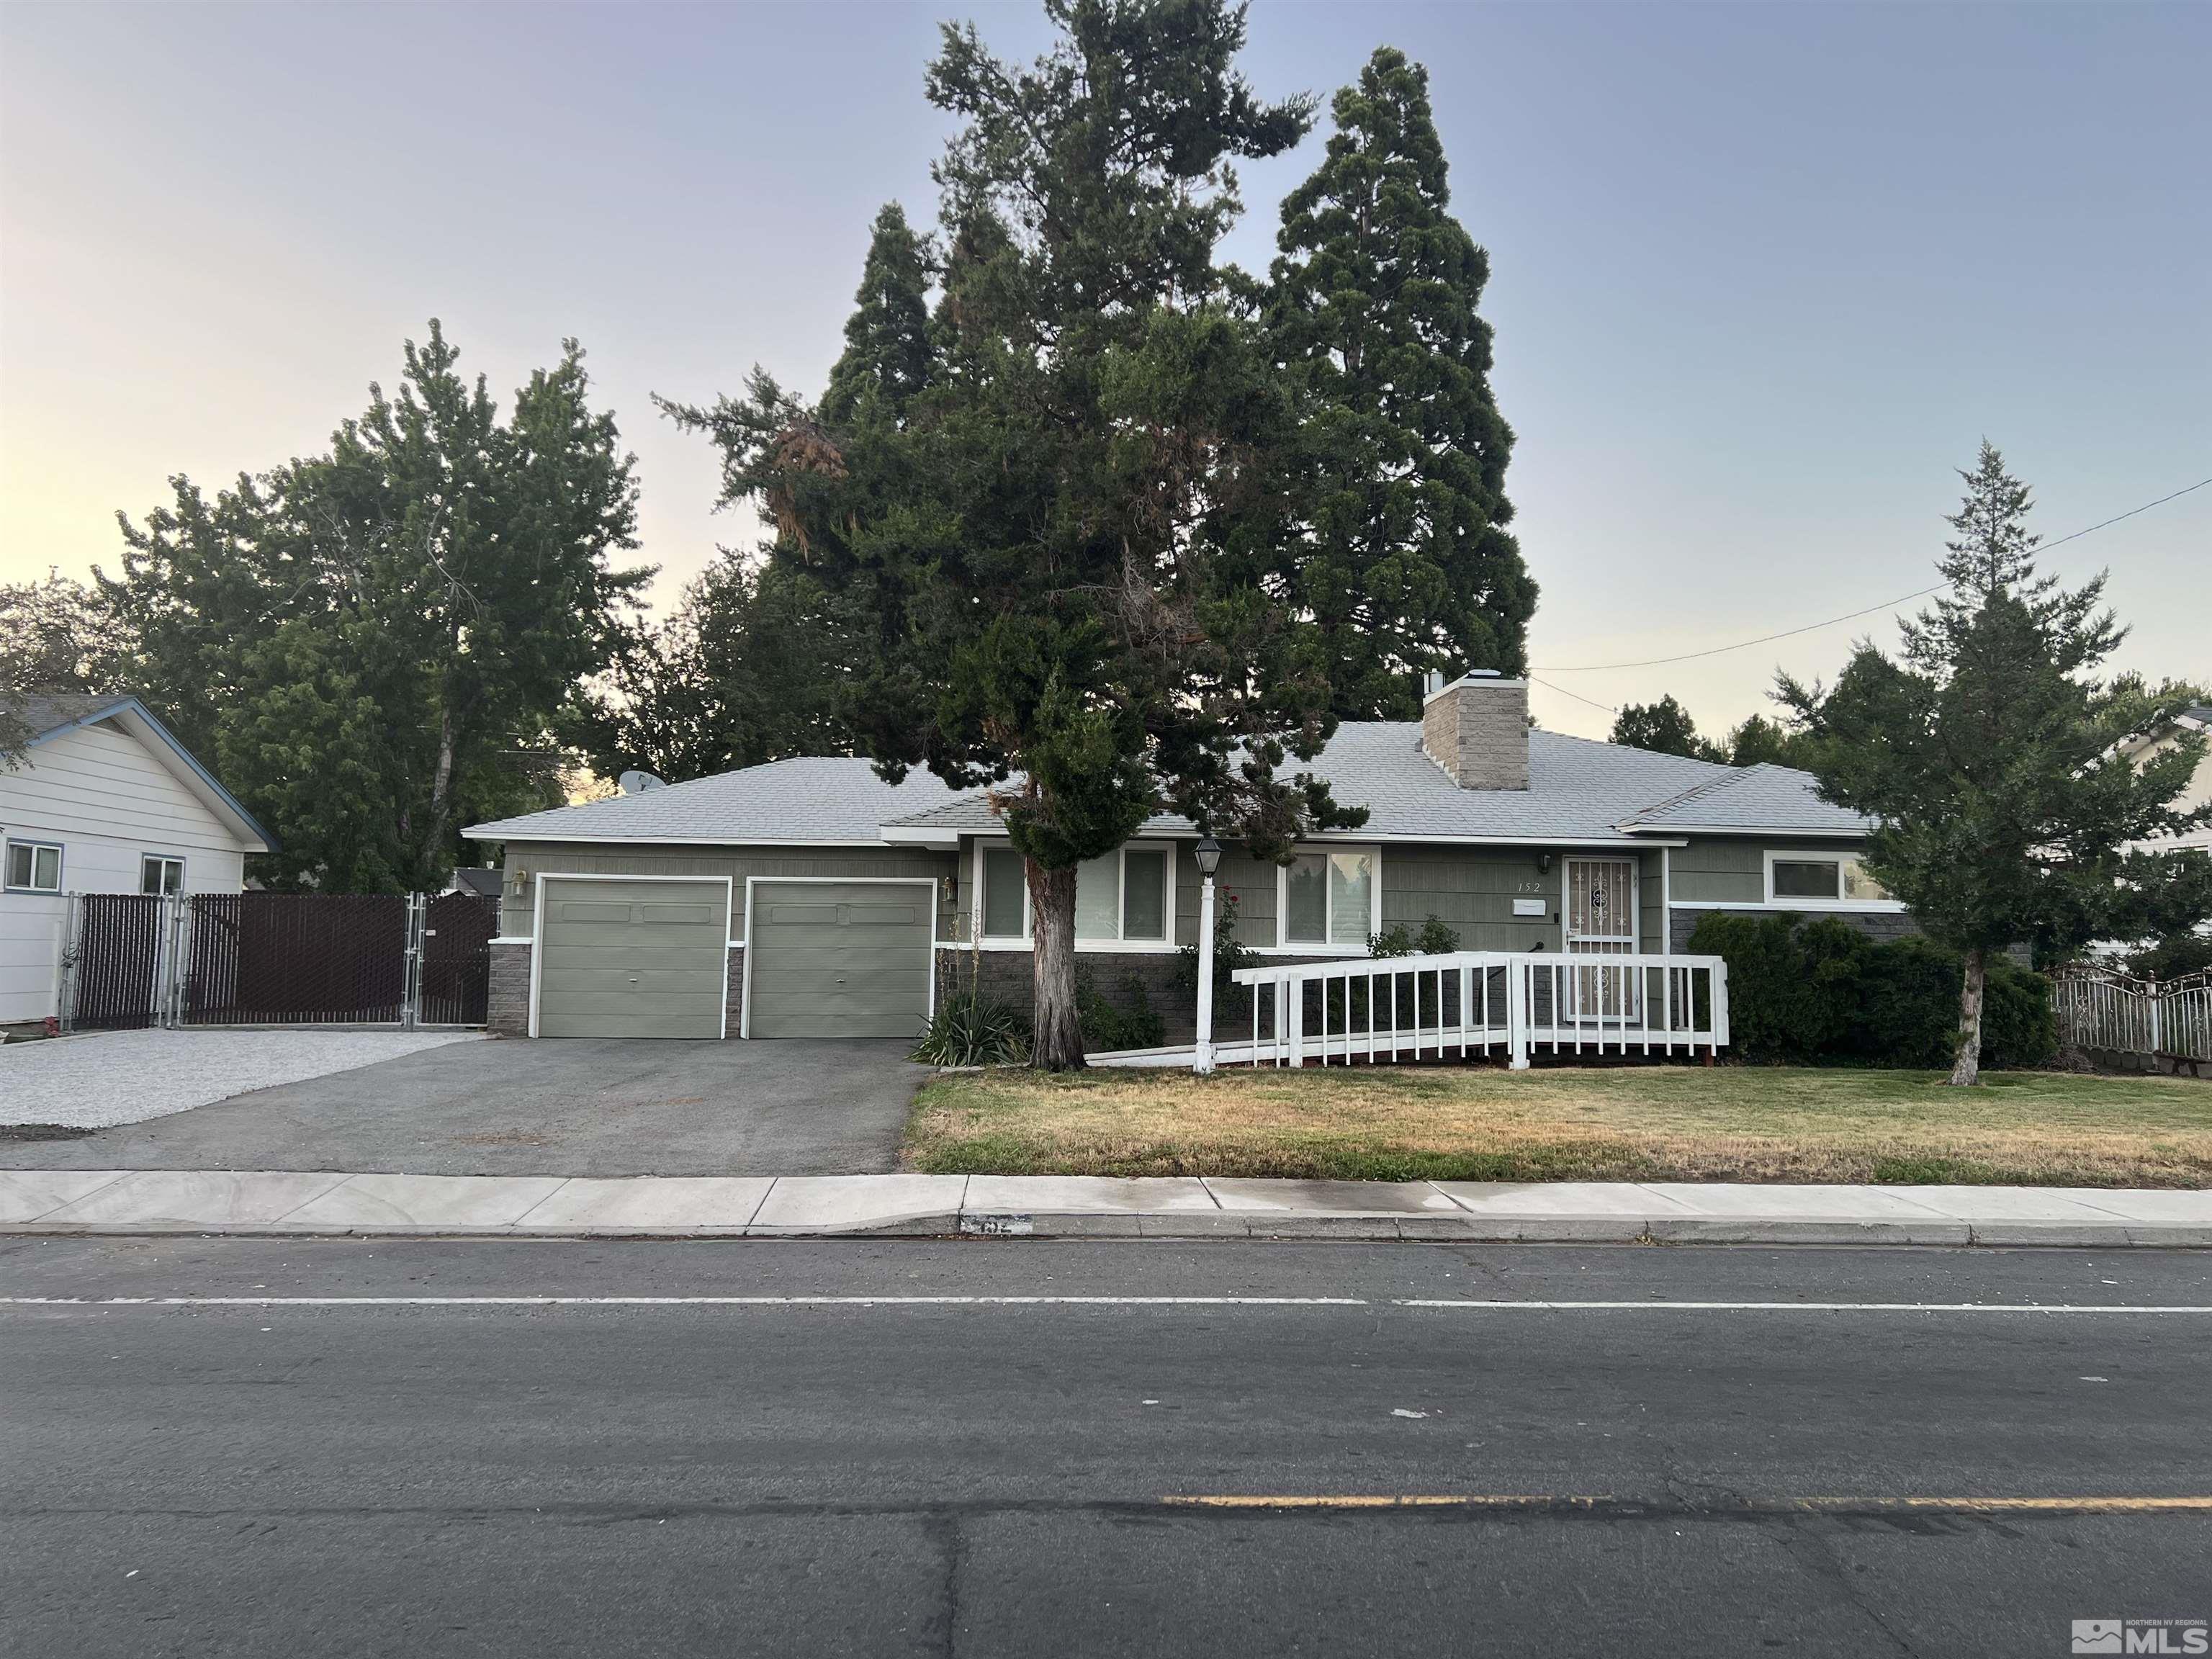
[
  {"x": 1576, "y": 695},
  {"x": 1789, "y": 633}
]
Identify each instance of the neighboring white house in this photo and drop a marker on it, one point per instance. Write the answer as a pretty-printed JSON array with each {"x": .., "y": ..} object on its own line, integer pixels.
[
  {"x": 2163, "y": 740},
  {"x": 104, "y": 800}
]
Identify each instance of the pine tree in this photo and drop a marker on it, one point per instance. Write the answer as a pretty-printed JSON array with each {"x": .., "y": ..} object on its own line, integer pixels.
[
  {"x": 1405, "y": 560},
  {"x": 1988, "y": 757},
  {"x": 888, "y": 357},
  {"x": 1048, "y": 546}
]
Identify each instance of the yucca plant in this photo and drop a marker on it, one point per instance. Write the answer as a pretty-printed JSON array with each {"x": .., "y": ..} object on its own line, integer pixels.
[{"x": 975, "y": 1030}]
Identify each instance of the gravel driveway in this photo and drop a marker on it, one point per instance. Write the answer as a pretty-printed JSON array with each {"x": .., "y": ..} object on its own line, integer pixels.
[{"x": 107, "y": 1078}]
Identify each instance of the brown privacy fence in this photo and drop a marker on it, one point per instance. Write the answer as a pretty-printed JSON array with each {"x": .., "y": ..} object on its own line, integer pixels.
[{"x": 399, "y": 959}]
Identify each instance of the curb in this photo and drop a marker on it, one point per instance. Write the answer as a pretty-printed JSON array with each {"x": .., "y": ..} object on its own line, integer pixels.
[{"x": 1273, "y": 1226}]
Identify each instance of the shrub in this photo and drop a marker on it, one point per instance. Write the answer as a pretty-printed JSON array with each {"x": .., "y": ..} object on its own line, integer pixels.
[
  {"x": 1436, "y": 938},
  {"x": 1136, "y": 1025},
  {"x": 975, "y": 1030},
  {"x": 1821, "y": 992}
]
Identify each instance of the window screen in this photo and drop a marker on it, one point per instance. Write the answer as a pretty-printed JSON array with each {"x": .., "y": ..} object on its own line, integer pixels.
[
  {"x": 1306, "y": 900},
  {"x": 1098, "y": 897},
  {"x": 160, "y": 875},
  {"x": 1145, "y": 894},
  {"x": 1004, "y": 887},
  {"x": 38, "y": 868},
  {"x": 1806, "y": 878}
]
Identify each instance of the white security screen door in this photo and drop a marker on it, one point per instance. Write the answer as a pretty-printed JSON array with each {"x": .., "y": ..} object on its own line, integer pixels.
[{"x": 1601, "y": 920}]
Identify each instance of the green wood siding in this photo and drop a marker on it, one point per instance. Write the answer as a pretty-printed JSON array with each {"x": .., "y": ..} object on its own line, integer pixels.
[
  {"x": 838, "y": 960},
  {"x": 1732, "y": 869},
  {"x": 614, "y": 858}
]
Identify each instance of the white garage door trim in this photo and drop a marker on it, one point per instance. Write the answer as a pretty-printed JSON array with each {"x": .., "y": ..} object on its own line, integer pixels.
[
  {"x": 537, "y": 927},
  {"x": 745, "y": 1014}
]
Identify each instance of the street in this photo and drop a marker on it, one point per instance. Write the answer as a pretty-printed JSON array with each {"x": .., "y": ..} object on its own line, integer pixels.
[{"x": 363, "y": 1453}]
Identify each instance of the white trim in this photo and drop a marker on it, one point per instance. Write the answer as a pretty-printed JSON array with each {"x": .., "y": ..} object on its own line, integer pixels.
[
  {"x": 184, "y": 871},
  {"x": 941, "y": 841},
  {"x": 60, "y": 851},
  {"x": 576, "y": 839},
  {"x": 1666, "y": 902},
  {"x": 1796, "y": 902},
  {"x": 1633, "y": 829},
  {"x": 538, "y": 928},
  {"x": 511, "y": 939},
  {"x": 746, "y": 1011},
  {"x": 1328, "y": 947},
  {"x": 1026, "y": 941},
  {"x": 1886, "y": 907}
]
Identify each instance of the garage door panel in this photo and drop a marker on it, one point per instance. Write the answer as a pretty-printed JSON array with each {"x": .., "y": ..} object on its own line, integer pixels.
[
  {"x": 633, "y": 958},
  {"x": 839, "y": 959}
]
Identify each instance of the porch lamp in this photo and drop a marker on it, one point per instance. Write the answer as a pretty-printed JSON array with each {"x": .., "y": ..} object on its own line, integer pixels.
[{"x": 1208, "y": 854}]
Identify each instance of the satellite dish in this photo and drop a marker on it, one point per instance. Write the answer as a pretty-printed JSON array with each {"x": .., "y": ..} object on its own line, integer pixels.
[{"x": 637, "y": 783}]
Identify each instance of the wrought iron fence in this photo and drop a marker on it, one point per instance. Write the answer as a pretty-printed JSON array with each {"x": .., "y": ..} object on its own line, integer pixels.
[
  {"x": 2099, "y": 1008},
  {"x": 199, "y": 959}
]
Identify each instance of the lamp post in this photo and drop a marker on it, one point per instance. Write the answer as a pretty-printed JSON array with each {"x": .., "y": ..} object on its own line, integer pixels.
[{"x": 1209, "y": 860}]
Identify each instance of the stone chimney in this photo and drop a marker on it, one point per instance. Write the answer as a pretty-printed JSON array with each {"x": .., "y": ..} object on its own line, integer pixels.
[{"x": 1477, "y": 729}]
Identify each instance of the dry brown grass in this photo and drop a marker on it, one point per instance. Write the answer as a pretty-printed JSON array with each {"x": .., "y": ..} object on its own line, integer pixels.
[{"x": 1643, "y": 1123}]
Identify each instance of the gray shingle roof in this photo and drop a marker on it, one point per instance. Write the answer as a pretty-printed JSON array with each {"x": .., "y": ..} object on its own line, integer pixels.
[
  {"x": 1762, "y": 796},
  {"x": 1578, "y": 790},
  {"x": 818, "y": 799},
  {"x": 53, "y": 710}
]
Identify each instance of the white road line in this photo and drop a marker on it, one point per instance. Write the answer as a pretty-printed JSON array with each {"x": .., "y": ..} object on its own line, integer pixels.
[
  {"x": 684, "y": 1301},
  {"x": 1499, "y": 1306}
]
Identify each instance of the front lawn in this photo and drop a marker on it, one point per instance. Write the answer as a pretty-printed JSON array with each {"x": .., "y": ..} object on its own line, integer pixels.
[{"x": 1630, "y": 1123}]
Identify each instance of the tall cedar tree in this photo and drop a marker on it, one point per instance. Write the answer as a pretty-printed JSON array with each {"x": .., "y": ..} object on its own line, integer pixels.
[
  {"x": 1047, "y": 537},
  {"x": 1403, "y": 558},
  {"x": 747, "y": 668},
  {"x": 1988, "y": 756},
  {"x": 372, "y": 644}
]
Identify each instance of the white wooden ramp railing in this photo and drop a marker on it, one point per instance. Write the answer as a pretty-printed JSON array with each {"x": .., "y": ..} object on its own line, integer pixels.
[{"x": 1467, "y": 1002}]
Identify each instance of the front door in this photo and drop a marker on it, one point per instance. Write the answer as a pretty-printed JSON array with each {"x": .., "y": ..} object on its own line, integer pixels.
[{"x": 1601, "y": 920}]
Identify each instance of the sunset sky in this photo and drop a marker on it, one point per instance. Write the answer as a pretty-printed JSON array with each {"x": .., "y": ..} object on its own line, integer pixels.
[{"x": 1763, "y": 276}]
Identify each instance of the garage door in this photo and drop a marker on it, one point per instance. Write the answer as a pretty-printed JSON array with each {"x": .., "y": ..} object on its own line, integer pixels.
[
  {"x": 838, "y": 960},
  {"x": 633, "y": 958}
]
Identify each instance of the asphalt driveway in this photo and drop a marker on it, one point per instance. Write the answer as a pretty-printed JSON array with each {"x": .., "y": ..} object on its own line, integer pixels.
[{"x": 588, "y": 1106}]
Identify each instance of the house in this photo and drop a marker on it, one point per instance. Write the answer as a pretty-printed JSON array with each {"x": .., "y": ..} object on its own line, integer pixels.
[
  {"x": 810, "y": 898},
  {"x": 2163, "y": 739},
  {"x": 104, "y": 800}
]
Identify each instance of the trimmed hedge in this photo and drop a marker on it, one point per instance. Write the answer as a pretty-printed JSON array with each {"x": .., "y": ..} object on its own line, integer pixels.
[{"x": 1821, "y": 993}]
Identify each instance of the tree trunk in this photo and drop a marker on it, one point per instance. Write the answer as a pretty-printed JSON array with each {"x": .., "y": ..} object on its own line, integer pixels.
[
  {"x": 1966, "y": 1068},
  {"x": 1057, "y": 1045}
]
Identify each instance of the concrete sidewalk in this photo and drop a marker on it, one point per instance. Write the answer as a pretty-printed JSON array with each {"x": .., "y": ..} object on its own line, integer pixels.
[{"x": 282, "y": 1203}]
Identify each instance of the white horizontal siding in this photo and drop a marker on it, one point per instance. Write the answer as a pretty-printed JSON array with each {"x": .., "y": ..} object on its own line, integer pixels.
[
  {"x": 30, "y": 953},
  {"x": 105, "y": 797}
]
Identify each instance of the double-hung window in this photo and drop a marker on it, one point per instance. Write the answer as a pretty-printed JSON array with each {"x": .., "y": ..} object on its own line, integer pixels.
[
  {"x": 159, "y": 874},
  {"x": 1124, "y": 897},
  {"x": 1822, "y": 881},
  {"x": 34, "y": 867},
  {"x": 1328, "y": 901}
]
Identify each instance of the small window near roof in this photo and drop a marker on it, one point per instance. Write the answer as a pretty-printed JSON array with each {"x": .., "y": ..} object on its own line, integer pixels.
[
  {"x": 1838, "y": 880},
  {"x": 157, "y": 874},
  {"x": 33, "y": 868}
]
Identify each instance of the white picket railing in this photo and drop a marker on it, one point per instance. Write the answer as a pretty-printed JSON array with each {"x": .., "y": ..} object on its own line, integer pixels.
[
  {"x": 2099, "y": 1008},
  {"x": 1475, "y": 1001}
]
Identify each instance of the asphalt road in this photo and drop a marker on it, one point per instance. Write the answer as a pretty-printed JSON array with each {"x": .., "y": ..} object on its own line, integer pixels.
[
  {"x": 583, "y": 1106},
  {"x": 891, "y": 1475}
]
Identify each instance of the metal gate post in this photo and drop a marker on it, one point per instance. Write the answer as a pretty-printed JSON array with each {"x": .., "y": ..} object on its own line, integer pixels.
[
  {"x": 72, "y": 922},
  {"x": 410, "y": 1006}
]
